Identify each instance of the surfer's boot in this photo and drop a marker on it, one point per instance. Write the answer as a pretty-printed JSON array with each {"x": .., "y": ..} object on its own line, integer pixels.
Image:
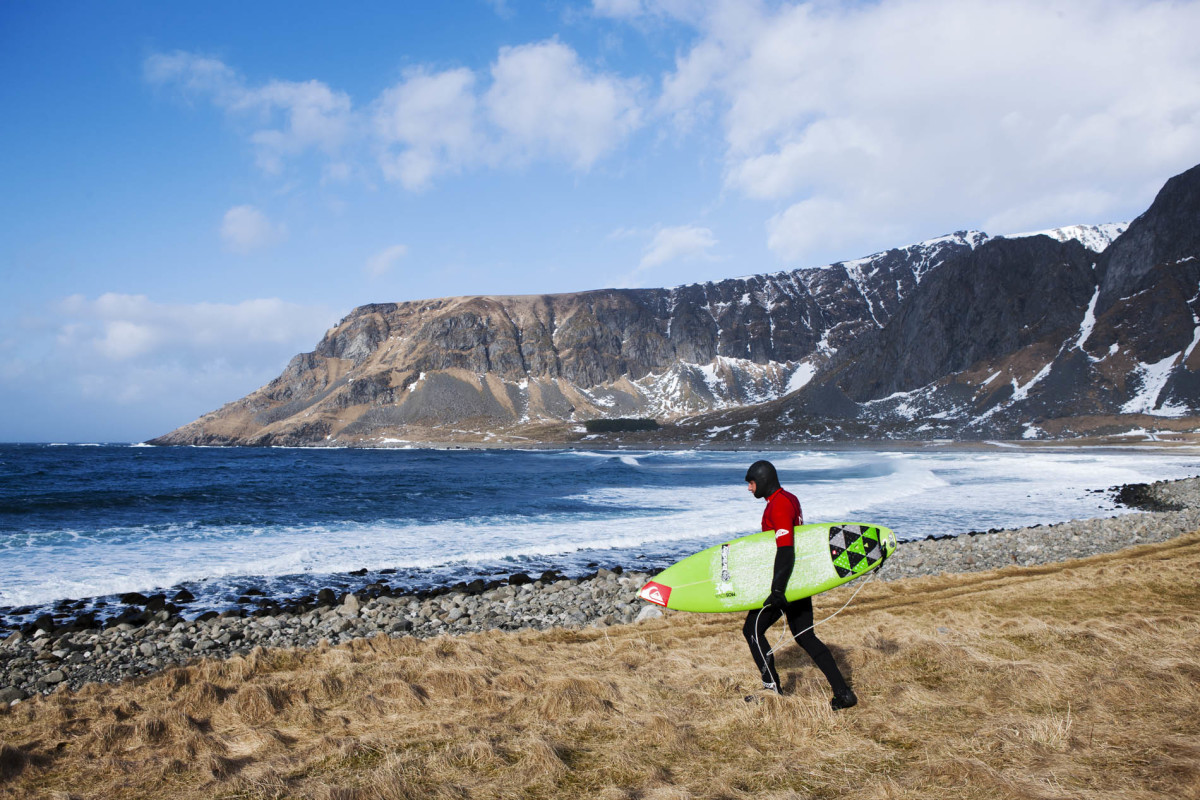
[
  {"x": 769, "y": 687},
  {"x": 846, "y": 699},
  {"x": 770, "y": 677}
]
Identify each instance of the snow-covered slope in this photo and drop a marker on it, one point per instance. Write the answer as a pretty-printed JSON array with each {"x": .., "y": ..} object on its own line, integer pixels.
[{"x": 1096, "y": 238}]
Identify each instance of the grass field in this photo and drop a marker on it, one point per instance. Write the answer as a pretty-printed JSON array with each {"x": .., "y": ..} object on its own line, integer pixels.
[{"x": 1078, "y": 680}]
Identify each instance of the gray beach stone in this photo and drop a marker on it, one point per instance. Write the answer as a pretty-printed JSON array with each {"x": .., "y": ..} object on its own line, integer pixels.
[
  {"x": 648, "y": 612},
  {"x": 53, "y": 678},
  {"x": 11, "y": 693}
]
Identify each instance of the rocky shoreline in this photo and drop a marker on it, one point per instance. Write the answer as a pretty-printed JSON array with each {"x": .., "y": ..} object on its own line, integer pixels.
[{"x": 44, "y": 658}]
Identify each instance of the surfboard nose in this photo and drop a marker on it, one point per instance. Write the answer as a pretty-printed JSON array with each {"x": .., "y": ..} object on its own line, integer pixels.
[{"x": 889, "y": 541}]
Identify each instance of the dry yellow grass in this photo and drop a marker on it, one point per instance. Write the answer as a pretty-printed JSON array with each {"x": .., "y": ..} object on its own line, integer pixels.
[{"x": 1068, "y": 681}]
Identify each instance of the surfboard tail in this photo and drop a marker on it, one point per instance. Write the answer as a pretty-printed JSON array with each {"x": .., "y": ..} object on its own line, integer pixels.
[{"x": 656, "y": 593}]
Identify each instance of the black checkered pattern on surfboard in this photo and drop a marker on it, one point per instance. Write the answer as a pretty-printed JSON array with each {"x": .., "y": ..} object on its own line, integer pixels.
[{"x": 854, "y": 548}]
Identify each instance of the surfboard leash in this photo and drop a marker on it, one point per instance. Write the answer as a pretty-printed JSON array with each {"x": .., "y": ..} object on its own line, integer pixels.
[{"x": 796, "y": 636}]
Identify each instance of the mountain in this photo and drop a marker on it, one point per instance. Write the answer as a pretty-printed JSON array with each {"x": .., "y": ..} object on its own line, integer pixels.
[{"x": 1078, "y": 331}]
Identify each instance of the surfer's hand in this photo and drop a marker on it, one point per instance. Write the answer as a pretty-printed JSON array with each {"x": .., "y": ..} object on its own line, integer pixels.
[{"x": 775, "y": 599}]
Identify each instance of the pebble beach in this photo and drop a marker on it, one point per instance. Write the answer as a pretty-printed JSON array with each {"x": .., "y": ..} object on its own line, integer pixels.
[{"x": 40, "y": 659}]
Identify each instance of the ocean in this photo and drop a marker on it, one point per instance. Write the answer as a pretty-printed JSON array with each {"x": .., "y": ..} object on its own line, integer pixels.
[{"x": 94, "y": 521}]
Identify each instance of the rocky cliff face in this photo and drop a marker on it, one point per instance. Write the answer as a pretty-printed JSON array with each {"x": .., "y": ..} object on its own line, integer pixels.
[
  {"x": 965, "y": 335},
  {"x": 1027, "y": 338}
]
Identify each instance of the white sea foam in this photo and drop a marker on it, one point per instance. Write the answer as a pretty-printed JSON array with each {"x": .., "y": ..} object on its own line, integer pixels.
[{"x": 917, "y": 494}]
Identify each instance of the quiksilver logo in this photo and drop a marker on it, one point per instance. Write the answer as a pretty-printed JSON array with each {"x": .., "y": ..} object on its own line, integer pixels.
[{"x": 656, "y": 593}]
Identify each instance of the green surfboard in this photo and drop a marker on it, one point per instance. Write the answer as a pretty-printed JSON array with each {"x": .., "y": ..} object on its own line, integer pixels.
[{"x": 736, "y": 575}]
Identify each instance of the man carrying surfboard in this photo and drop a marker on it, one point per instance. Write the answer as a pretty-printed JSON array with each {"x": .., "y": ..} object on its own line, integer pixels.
[{"x": 783, "y": 515}]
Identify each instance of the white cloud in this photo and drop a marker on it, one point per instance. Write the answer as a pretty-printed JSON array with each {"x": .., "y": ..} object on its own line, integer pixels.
[
  {"x": 1087, "y": 204},
  {"x": 862, "y": 124},
  {"x": 123, "y": 366},
  {"x": 123, "y": 327},
  {"x": 427, "y": 124},
  {"x": 501, "y": 7},
  {"x": 903, "y": 114},
  {"x": 316, "y": 117},
  {"x": 382, "y": 262},
  {"x": 665, "y": 245},
  {"x": 245, "y": 229},
  {"x": 544, "y": 101},
  {"x": 196, "y": 75},
  {"x": 822, "y": 222},
  {"x": 619, "y": 9},
  {"x": 669, "y": 244},
  {"x": 817, "y": 153},
  {"x": 336, "y": 172},
  {"x": 299, "y": 116},
  {"x": 626, "y": 233},
  {"x": 123, "y": 340},
  {"x": 681, "y": 10}
]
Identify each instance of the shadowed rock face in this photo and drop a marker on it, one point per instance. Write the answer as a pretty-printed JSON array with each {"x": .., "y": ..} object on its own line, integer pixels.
[
  {"x": 1165, "y": 235},
  {"x": 960, "y": 336},
  {"x": 1003, "y": 297}
]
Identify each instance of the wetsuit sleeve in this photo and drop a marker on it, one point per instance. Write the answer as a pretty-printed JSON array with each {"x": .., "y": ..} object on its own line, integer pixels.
[{"x": 785, "y": 559}]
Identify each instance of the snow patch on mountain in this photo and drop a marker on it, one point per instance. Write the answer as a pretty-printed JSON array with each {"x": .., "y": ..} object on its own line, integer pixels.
[
  {"x": 926, "y": 403},
  {"x": 1089, "y": 322},
  {"x": 801, "y": 377},
  {"x": 865, "y": 266},
  {"x": 1152, "y": 379},
  {"x": 1021, "y": 391},
  {"x": 1096, "y": 238},
  {"x": 724, "y": 383}
]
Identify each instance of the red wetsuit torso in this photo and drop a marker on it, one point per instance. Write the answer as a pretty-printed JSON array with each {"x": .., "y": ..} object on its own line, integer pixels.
[{"x": 782, "y": 515}]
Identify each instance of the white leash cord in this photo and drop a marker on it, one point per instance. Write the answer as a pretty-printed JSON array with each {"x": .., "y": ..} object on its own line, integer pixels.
[{"x": 796, "y": 636}]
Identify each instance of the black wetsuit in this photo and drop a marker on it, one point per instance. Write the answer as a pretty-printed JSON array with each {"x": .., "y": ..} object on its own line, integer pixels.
[
  {"x": 799, "y": 616},
  {"x": 784, "y": 509}
]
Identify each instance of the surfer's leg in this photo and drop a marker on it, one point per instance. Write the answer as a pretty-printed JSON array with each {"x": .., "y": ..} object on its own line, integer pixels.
[
  {"x": 755, "y": 631},
  {"x": 800, "y": 620}
]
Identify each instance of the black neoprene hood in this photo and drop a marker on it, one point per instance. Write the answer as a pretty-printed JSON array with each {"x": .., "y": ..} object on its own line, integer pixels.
[{"x": 766, "y": 480}]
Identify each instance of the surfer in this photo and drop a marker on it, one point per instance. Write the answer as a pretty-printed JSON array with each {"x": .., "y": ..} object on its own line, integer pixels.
[{"x": 782, "y": 515}]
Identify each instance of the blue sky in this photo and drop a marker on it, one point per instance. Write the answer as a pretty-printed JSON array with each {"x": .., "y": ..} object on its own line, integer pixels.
[{"x": 194, "y": 193}]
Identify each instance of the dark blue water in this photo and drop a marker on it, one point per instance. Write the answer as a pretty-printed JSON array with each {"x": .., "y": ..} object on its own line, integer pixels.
[
  {"x": 96, "y": 521},
  {"x": 47, "y": 488}
]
